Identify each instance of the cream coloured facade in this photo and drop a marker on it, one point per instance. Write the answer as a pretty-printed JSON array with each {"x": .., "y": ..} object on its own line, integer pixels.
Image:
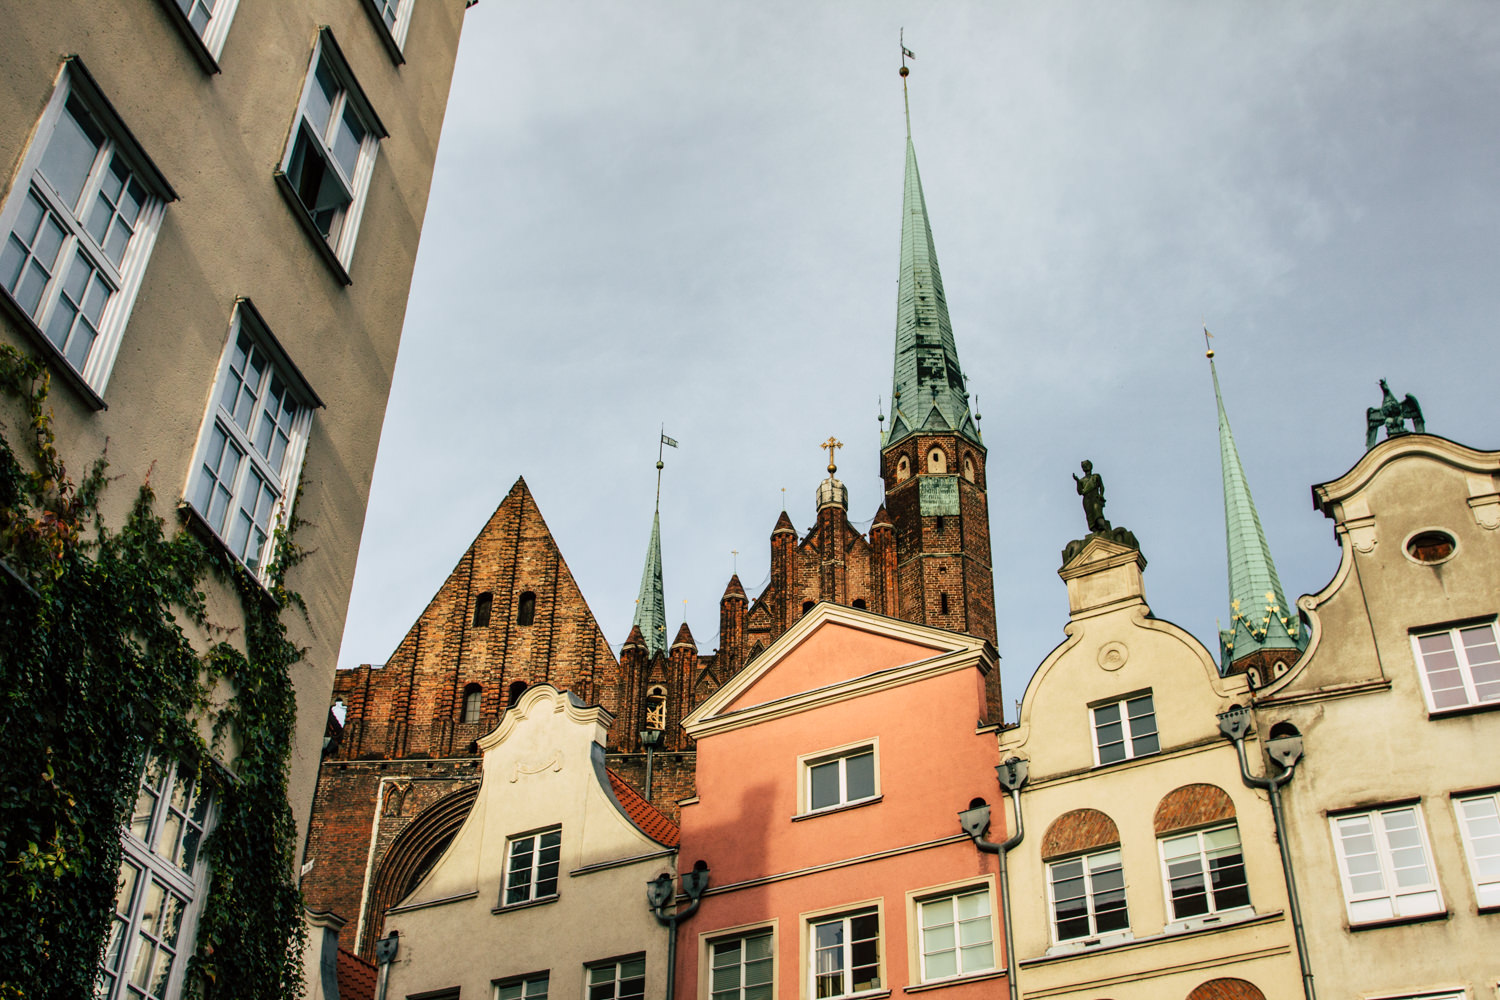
[
  {"x": 542, "y": 891},
  {"x": 1148, "y": 870},
  {"x": 210, "y": 217},
  {"x": 1393, "y": 816}
]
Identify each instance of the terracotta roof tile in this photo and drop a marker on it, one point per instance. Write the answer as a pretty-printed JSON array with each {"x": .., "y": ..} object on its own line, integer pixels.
[
  {"x": 356, "y": 977},
  {"x": 643, "y": 814}
]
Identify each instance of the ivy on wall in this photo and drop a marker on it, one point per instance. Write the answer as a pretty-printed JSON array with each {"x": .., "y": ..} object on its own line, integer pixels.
[{"x": 95, "y": 668}]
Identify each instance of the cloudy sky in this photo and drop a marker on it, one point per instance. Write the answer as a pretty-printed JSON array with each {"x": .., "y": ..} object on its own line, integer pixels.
[{"x": 689, "y": 213}]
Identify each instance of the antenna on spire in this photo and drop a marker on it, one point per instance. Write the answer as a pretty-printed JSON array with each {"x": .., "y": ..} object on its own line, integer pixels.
[
  {"x": 1209, "y": 352},
  {"x": 783, "y": 499},
  {"x": 906, "y": 54},
  {"x": 735, "y": 554}
]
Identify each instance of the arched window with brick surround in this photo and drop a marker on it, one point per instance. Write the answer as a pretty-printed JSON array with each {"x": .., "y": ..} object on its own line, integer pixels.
[
  {"x": 1226, "y": 989},
  {"x": 526, "y": 608},
  {"x": 473, "y": 698},
  {"x": 1203, "y": 865},
  {"x": 1085, "y": 880},
  {"x": 482, "y": 605}
]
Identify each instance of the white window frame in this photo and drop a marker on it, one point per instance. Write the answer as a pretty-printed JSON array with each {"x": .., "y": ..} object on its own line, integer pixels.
[
  {"x": 1127, "y": 729},
  {"x": 247, "y": 323},
  {"x": 210, "y": 40},
  {"x": 1484, "y": 868},
  {"x": 1390, "y": 902},
  {"x": 141, "y": 842},
  {"x": 918, "y": 900},
  {"x": 394, "y": 34},
  {"x": 528, "y": 985},
  {"x": 338, "y": 246},
  {"x": 1464, "y": 667},
  {"x": 616, "y": 980},
  {"x": 122, "y": 279},
  {"x": 534, "y": 867},
  {"x": 1215, "y": 912},
  {"x": 810, "y": 925},
  {"x": 1093, "y": 935},
  {"x": 708, "y": 945},
  {"x": 807, "y": 763}
]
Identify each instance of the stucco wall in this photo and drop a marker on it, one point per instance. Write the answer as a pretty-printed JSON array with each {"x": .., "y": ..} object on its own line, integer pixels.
[{"x": 217, "y": 139}]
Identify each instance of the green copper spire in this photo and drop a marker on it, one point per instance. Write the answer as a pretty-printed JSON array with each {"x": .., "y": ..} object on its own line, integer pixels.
[
  {"x": 927, "y": 393},
  {"x": 1260, "y": 617},
  {"x": 650, "y": 606}
]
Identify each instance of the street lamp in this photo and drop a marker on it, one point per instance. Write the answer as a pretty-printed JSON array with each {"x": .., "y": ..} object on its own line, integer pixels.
[
  {"x": 975, "y": 821},
  {"x": 1286, "y": 751},
  {"x": 649, "y": 739},
  {"x": 659, "y": 895}
]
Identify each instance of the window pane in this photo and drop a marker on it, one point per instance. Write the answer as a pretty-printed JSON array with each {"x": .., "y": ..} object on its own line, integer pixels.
[
  {"x": 860, "y": 776},
  {"x": 71, "y": 152},
  {"x": 825, "y": 784},
  {"x": 1444, "y": 677},
  {"x": 320, "y": 97},
  {"x": 346, "y": 141},
  {"x": 1484, "y": 661}
]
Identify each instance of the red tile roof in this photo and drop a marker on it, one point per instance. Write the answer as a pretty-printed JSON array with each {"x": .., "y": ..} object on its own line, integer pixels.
[
  {"x": 356, "y": 977},
  {"x": 643, "y": 814}
]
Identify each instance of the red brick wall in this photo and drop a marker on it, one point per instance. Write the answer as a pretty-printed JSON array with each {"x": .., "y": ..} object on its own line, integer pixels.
[
  {"x": 1079, "y": 830},
  {"x": 1226, "y": 989},
  {"x": 1192, "y": 805}
]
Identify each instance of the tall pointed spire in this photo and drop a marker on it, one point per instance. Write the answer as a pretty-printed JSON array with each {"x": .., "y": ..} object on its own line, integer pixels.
[
  {"x": 651, "y": 605},
  {"x": 927, "y": 392},
  {"x": 1260, "y": 618}
]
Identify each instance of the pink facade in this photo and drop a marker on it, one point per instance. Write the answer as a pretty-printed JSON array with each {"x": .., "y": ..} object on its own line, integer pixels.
[{"x": 830, "y": 776}]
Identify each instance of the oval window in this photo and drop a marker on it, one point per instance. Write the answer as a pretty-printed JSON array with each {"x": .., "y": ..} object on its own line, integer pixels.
[{"x": 1430, "y": 546}]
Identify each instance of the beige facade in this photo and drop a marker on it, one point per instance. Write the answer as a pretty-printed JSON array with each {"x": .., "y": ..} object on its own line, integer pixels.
[
  {"x": 1392, "y": 817},
  {"x": 1136, "y": 800},
  {"x": 180, "y": 210},
  {"x": 497, "y": 908}
]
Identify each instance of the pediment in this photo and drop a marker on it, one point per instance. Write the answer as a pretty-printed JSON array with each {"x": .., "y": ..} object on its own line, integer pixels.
[{"x": 830, "y": 647}]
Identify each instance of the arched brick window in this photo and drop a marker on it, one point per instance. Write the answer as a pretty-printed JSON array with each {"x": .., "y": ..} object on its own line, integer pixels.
[
  {"x": 859, "y": 602},
  {"x": 411, "y": 856},
  {"x": 1226, "y": 989},
  {"x": 1078, "y": 831},
  {"x": 526, "y": 608},
  {"x": 937, "y": 460},
  {"x": 1192, "y": 805},
  {"x": 969, "y": 467},
  {"x": 656, "y": 707},
  {"x": 516, "y": 690},
  {"x": 482, "y": 605},
  {"x": 903, "y": 469},
  {"x": 473, "y": 697}
]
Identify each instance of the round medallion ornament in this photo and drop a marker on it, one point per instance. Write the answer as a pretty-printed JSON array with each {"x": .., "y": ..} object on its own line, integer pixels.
[{"x": 1112, "y": 655}]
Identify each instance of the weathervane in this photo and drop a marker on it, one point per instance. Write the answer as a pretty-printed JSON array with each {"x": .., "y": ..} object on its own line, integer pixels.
[
  {"x": 664, "y": 442},
  {"x": 831, "y": 444},
  {"x": 906, "y": 54}
]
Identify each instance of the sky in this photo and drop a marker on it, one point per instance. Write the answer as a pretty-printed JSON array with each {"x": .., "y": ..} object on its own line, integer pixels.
[{"x": 688, "y": 214}]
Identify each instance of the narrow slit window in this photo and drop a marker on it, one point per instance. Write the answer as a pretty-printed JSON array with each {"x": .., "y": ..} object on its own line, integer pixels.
[
  {"x": 482, "y": 605},
  {"x": 526, "y": 608}
]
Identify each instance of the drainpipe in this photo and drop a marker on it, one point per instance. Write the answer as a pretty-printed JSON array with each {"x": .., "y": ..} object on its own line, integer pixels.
[
  {"x": 385, "y": 951},
  {"x": 975, "y": 821},
  {"x": 1286, "y": 751},
  {"x": 659, "y": 894}
]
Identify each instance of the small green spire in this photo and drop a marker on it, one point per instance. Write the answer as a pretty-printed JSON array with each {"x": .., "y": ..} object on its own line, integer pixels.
[
  {"x": 1260, "y": 617},
  {"x": 650, "y": 606},
  {"x": 927, "y": 392}
]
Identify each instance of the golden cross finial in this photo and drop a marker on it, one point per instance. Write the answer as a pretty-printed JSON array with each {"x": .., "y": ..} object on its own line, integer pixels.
[{"x": 831, "y": 444}]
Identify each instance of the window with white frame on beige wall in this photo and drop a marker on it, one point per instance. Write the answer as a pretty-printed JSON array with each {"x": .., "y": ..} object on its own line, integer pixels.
[
  {"x": 529, "y": 987},
  {"x": 1459, "y": 666},
  {"x": 1479, "y": 825},
  {"x": 1124, "y": 729},
  {"x": 80, "y": 222},
  {"x": 532, "y": 865},
  {"x": 244, "y": 474},
  {"x": 330, "y": 154},
  {"x": 1085, "y": 880},
  {"x": 1385, "y": 864}
]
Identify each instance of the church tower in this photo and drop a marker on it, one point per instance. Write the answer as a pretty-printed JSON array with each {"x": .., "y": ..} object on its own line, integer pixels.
[{"x": 932, "y": 457}]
